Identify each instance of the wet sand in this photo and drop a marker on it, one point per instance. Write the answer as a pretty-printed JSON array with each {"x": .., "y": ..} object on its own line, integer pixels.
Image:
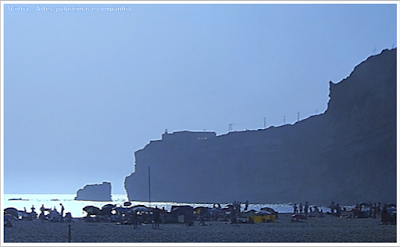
[{"x": 328, "y": 229}]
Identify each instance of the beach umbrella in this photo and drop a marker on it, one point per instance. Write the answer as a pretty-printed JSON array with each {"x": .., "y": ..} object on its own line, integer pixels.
[
  {"x": 12, "y": 211},
  {"x": 140, "y": 209},
  {"x": 92, "y": 210},
  {"x": 106, "y": 209},
  {"x": 180, "y": 209},
  {"x": 268, "y": 209}
]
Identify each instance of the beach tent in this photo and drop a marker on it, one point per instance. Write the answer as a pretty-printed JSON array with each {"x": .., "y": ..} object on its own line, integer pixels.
[{"x": 264, "y": 218}]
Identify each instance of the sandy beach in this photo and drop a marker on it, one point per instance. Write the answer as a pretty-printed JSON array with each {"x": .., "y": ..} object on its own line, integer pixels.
[{"x": 327, "y": 229}]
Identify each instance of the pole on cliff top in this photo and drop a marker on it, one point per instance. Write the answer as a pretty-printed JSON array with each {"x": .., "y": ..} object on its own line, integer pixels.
[{"x": 149, "y": 190}]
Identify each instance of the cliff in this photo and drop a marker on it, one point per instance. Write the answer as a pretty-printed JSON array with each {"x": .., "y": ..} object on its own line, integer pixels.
[
  {"x": 346, "y": 155},
  {"x": 94, "y": 192}
]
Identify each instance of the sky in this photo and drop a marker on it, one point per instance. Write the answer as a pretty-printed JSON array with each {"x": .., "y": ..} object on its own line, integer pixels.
[{"x": 84, "y": 90}]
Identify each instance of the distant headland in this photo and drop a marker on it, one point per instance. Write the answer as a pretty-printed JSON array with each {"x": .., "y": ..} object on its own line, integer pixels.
[{"x": 95, "y": 192}]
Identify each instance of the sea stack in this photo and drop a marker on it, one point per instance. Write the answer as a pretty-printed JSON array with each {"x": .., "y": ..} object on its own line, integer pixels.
[
  {"x": 346, "y": 155},
  {"x": 95, "y": 192}
]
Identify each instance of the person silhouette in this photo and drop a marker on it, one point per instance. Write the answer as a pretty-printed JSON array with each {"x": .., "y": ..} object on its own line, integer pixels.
[
  {"x": 295, "y": 209},
  {"x": 62, "y": 210},
  {"x": 156, "y": 218}
]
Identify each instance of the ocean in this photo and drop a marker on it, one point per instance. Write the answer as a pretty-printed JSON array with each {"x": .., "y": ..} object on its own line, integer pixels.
[{"x": 75, "y": 207}]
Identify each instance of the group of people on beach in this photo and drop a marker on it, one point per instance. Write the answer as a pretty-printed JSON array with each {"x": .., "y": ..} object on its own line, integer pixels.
[
  {"x": 140, "y": 214},
  {"x": 134, "y": 218},
  {"x": 235, "y": 209},
  {"x": 360, "y": 210},
  {"x": 233, "y": 213},
  {"x": 46, "y": 214},
  {"x": 306, "y": 209},
  {"x": 54, "y": 215},
  {"x": 375, "y": 210}
]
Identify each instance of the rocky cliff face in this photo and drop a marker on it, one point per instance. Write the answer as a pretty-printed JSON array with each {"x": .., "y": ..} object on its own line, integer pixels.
[
  {"x": 346, "y": 155},
  {"x": 94, "y": 192}
]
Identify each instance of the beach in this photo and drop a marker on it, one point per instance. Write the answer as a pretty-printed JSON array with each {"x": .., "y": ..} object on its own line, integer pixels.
[{"x": 327, "y": 229}]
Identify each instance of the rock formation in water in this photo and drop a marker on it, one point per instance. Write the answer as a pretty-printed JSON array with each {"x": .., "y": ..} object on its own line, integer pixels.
[
  {"x": 346, "y": 155},
  {"x": 95, "y": 192}
]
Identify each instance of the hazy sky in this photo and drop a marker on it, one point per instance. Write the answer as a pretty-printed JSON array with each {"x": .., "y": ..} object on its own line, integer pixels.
[{"x": 84, "y": 90}]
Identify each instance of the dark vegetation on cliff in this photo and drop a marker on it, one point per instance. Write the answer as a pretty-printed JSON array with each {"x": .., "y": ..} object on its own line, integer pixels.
[{"x": 346, "y": 155}]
